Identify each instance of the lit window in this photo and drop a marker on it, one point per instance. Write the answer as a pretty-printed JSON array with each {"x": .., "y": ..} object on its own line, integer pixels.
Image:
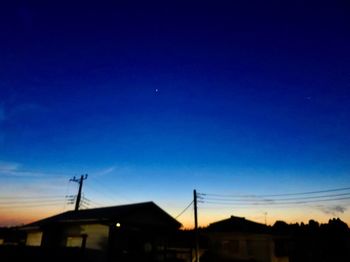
[
  {"x": 34, "y": 239},
  {"x": 74, "y": 241}
]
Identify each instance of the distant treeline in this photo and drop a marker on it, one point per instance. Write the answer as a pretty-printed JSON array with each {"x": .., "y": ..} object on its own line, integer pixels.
[{"x": 314, "y": 241}]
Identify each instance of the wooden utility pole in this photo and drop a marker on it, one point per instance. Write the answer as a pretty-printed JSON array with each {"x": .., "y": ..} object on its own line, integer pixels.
[
  {"x": 80, "y": 182},
  {"x": 196, "y": 226}
]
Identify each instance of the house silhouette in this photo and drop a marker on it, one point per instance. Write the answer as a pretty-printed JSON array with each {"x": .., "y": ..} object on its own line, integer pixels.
[{"x": 134, "y": 230}]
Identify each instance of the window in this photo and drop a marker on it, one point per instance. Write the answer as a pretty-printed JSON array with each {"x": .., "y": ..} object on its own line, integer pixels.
[
  {"x": 34, "y": 239},
  {"x": 74, "y": 241}
]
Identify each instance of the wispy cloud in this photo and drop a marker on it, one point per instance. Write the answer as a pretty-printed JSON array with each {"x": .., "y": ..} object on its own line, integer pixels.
[
  {"x": 8, "y": 166},
  {"x": 22, "y": 183},
  {"x": 333, "y": 210},
  {"x": 105, "y": 171},
  {"x": 13, "y": 169}
]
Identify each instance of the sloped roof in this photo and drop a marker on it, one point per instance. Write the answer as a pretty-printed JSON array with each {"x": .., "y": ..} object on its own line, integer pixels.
[
  {"x": 237, "y": 224},
  {"x": 146, "y": 213}
]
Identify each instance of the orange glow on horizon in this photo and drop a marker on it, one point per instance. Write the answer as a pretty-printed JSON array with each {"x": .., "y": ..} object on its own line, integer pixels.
[
  {"x": 18, "y": 217},
  {"x": 15, "y": 217},
  {"x": 288, "y": 216}
]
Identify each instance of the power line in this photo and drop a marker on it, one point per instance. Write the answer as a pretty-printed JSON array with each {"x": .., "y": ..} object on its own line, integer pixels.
[
  {"x": 276, "y": 203},
  {"x": 276, "y": 195},
  {"x": 66, "y": 194},
  {"x": 300, "y": 198},
  {"x": 275, "y": 199},
  {"x": 111, "y": 191},
  {"x": 92, "y": 201},
  {"x": 183, "y": 211},
  {"x": 107, "y": 196}
]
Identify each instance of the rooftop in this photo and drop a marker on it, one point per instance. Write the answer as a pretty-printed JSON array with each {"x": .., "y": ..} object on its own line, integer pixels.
[{"x": 146, "y": 213}]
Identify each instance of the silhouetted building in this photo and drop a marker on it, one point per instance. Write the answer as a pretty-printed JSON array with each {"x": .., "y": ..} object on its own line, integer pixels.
[
  {"x": 11, "y": 236},
  {"x": 239, "y": 239},
  {"x": 127, "y": 231}
]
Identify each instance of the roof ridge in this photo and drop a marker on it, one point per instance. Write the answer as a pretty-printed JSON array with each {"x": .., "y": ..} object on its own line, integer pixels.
[
  {"x": 104, "y": 213},
  {"x": 123, "y": 205}
]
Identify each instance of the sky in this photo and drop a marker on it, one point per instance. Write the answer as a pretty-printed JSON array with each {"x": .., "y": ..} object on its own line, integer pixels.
[{"x": 153, "y": 99}]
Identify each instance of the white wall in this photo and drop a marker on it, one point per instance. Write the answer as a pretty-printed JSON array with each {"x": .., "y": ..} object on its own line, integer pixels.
[{"x": 97, "y": 235}]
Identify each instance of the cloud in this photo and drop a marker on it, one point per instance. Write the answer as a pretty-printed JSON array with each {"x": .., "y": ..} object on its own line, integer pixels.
[
  {"x": 13, "y": 169},
  {"x": 8, "y": 166},
  {"x": 21, "y": 183},
  {"x": 333, "y": 210},
  {"x": 105, "y": 171}
]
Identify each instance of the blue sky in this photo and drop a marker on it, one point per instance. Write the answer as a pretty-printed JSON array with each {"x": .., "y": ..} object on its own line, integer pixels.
[{"x": 154, "y": 100}]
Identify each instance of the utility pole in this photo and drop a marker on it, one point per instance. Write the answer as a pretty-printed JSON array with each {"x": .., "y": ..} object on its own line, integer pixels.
[
  {"x": 80, "y": 182},
  {"x": 196, "y": 226}
]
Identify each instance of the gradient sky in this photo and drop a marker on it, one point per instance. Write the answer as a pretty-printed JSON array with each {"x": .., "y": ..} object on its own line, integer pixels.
[{"x": 155, "y": 99}]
